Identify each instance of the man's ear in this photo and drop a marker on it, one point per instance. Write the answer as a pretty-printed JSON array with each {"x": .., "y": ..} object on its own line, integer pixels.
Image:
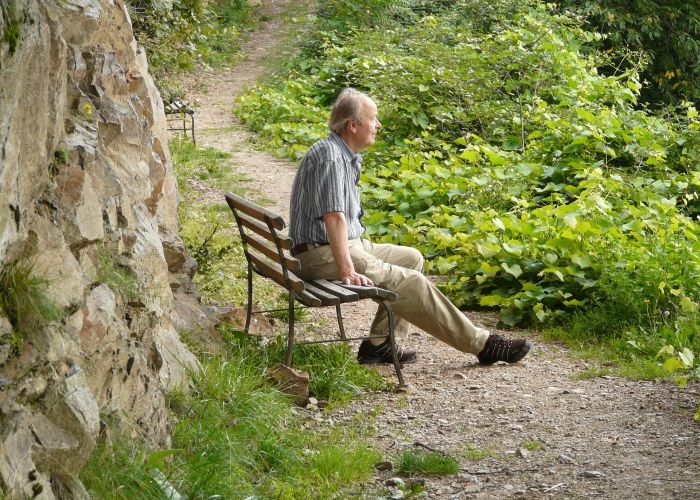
[{"x": 352, "y": 126}]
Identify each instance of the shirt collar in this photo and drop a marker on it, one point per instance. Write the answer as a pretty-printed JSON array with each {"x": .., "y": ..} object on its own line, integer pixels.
[{"x": 352, "y": 158}]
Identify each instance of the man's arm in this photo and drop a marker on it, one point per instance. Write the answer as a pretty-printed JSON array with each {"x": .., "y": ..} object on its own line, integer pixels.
[{"x": 337, "y": 230}]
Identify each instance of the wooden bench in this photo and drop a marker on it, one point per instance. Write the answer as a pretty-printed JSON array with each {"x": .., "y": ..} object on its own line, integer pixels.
[
  {"x": 179, "y": 110},
  {"x": 267, "y": 252}
]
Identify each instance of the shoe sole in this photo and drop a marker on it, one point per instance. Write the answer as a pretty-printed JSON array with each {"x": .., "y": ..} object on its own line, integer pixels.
[{"x": 384, "y": 361}]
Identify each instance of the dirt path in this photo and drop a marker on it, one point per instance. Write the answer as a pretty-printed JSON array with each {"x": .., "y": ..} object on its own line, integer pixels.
[{"x": 540, "y": 432}]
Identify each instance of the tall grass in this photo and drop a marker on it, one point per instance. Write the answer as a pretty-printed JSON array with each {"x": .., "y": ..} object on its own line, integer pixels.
[
  {"x": 235, "y": 436},
  {"x": 24, "y": 300}
]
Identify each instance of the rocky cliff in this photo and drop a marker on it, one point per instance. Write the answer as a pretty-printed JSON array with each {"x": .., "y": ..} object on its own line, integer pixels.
[{"x": 86, "y": 189}]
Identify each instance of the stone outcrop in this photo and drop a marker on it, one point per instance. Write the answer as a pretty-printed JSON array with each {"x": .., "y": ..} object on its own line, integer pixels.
[{"x": 86, "y": 189}]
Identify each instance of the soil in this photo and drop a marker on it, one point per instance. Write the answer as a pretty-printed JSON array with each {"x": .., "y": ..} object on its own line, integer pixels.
[{"x": 542, "y": 432}]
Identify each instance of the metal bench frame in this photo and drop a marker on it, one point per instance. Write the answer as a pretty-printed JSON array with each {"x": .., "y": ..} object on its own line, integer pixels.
[
  {"x": 267, "y": 253},
  {"x": 180, "y": 110}
]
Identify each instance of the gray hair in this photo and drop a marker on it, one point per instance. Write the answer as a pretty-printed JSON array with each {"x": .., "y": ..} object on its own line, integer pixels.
[{"x": 348, "y": 106}]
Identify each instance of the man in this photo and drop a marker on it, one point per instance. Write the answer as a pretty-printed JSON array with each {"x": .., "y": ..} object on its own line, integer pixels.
[{"x": 325, "y": 225}]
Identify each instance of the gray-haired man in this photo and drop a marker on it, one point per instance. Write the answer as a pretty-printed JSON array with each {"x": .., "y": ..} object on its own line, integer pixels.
[{"x": 325, "y": 223}]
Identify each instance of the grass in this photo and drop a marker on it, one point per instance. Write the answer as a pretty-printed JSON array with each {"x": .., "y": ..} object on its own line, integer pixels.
[
  {"x": 122, "y": 282},
  {"x": 631, "y": 354},
  {"x": 474, "y": 453},
  {"x": 531, "y": 445},
  {"x": 235, "y": 436},
  {"x": 24, "y": 300},
  {"x": 334, "y": 373},
  {"x": 434, "y": 463},
  {"x": 591, "y": 373}
]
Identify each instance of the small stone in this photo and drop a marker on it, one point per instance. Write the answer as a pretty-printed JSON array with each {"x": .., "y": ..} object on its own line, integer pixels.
[
  {"x": 396, "y": 482},
  {"x": 523, "y": 453},
  {"x": 592, "y": 474},
  {"x": 566, "y": 459},
  {"x": 292, "y": 382},
  {"x": 515, "y": 427},
  {"x": 460, "y": 376},
  {"x": 474, "y": 387},
  {"x": 313, "y": 401},
  {"x": 384, "y": 465},
  {"x": 408, "y": 389}
]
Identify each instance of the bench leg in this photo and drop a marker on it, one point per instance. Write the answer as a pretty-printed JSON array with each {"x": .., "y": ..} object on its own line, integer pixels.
[
  {"x": 194, "y": 141},
  {"x": 249, "y": 311},
  {"x": 340, "y": 321},
  {"x": 392, "y": 339},
  {"x": 290, "y": 337}
]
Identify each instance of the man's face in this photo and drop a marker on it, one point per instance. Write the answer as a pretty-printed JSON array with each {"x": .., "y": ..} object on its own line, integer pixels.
[{"x": 366, "y": 132}]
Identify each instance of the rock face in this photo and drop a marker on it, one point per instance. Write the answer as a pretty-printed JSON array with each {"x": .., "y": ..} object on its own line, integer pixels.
[{"x": 88, "y": 196}]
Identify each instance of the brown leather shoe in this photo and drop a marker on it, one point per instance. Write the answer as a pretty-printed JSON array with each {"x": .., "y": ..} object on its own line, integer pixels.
[
  {"x": 370, "y": 353},
  {"x": 499, "y": 348}
]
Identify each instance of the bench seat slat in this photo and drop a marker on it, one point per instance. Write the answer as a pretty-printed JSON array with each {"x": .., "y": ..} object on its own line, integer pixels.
[
  {"x": 274, "y": 271},
  {"x": 260, "y": 213},
  {"x": 291, "y": 263},
  {"x": 370, "y": 292},
  {"x": 264, "y": 231},
  {"x": 307, "y": 299},
  {"x": 343, "y": 294},
  {"x": 326, "y": 298}
]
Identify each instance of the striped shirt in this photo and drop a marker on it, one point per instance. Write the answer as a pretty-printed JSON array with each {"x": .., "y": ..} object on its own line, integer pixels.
[{"x": 326, "y": 182}]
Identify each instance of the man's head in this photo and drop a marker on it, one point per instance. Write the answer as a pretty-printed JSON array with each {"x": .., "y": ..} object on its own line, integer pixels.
[{"x": 354, "y": 118}]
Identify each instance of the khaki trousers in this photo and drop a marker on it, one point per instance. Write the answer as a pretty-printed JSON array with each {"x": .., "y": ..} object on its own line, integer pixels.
[{"x": 399, "y": 269}]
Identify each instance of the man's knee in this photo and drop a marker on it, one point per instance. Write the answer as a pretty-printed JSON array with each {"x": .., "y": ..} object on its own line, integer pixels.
[{"x": 417, "y": 259}]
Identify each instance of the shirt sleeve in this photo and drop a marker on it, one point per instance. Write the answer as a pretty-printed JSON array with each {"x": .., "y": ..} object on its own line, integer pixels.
[{"x": 330, "y": 188}]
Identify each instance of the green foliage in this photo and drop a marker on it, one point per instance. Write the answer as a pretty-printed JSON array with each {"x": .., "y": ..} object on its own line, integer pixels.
[
  {"x": 60, "y": 157},
  {"x": 474, "y": 453},
  {"x": 119, "y": 278},
  {"x": 12, "y": 26},
  {"x": 522, "y": 173},
  {"x": 591, "y": 373},
  {"x": 234, "y": 436},
  {"x": 667, "y": 31},
  {"x": 117, "y": 470},
  {"x": 185, "y": 34},
  {"x": 414, "y": 462},
  {"x": 334, "y": 374},
  {"x": 24, "y": 300},
  {"x": 531, "y": 445}
]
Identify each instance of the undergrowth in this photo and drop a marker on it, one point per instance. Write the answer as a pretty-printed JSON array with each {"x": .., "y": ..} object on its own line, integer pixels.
[
  {"x": 25, "y": 301},
  {"x": 236, "y": 436},
  {"x": 435, "y": 463}
]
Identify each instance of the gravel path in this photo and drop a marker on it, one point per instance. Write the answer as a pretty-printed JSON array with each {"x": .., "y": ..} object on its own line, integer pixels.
[{"x": 538, "y": 431}]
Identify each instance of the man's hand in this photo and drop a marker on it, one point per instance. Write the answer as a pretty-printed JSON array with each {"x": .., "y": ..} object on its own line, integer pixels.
[
  {"x": 354, "y": 278},
  {"x": 337, "y": 231}
]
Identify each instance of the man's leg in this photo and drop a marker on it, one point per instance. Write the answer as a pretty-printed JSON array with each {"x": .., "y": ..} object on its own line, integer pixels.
[
  {"x": 394, "y": 255},
  {"x": 419, "y": 301}
]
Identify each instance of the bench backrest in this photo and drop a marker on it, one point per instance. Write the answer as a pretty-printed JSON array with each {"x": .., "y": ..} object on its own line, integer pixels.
[{"x": 265, "y": 248}]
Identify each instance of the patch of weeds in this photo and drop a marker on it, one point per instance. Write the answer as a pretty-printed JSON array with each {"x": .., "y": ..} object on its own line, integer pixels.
[
  {"x": 630, "y": 354},
  {"x": 591, "y": 373},
  {"x": 117, "y": 469},
  {"x": 335, "y": 375},
  {"x": 12, "y": 30},
  {"x": 531, "y": 445},
  {"x": 24, "y": 300},
  {"x": 474, "y": 453},
  {"x": 427, "y": 462},
  {"x": 203, "y": 163},
  {"x": 60, "y": 157},
  {"x": 119, "y": 279}
]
